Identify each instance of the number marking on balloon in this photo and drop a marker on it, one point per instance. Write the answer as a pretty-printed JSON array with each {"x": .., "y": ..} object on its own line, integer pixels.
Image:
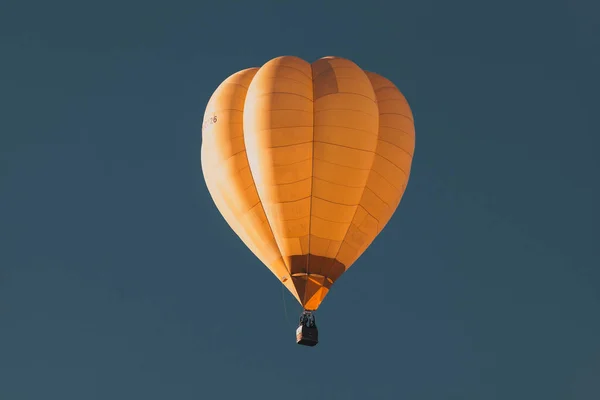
[{"x": 209, "y": 121}]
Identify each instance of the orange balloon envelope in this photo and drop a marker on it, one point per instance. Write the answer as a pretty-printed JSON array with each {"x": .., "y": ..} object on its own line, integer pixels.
[{"x": 307, "y": 163}]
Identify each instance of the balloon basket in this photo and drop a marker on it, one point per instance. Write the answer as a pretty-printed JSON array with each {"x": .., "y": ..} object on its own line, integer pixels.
[{"x": 307, "y": 333}]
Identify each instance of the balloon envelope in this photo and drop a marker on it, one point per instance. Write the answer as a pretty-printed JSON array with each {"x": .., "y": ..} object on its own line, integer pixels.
[{"x": 307, "y": 163}]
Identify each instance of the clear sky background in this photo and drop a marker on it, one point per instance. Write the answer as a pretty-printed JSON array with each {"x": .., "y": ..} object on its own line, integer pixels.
[{"x": 120, "y": 280}]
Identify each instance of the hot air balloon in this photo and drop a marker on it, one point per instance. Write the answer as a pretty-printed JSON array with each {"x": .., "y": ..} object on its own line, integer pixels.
[{"x": 307, "y": 163}]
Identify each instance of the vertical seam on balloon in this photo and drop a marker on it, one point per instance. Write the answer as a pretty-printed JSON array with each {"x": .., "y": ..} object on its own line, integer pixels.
[
  {"x": 312, "y": 183},
  {"x": 366, "y": 183},
  {"x": 258, "y": 192}
]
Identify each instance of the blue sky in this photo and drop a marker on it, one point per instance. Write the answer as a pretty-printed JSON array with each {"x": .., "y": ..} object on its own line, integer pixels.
[{"x": 119, "y": 279}]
